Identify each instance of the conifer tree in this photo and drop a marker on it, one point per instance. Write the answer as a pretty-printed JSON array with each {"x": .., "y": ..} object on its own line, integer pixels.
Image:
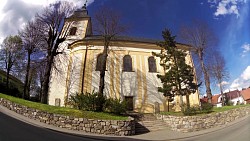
[{"x": 178, "y": 77}]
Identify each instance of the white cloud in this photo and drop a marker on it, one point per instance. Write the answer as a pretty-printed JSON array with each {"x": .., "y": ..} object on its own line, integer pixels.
[
  {"x": 226, "y": 7},
  {"x": 246, "y": 48},
  {"x": 243, "y": 81},
  {"x": 246, "y": 74},
  {"x": 235, "y": 84},
  {"x": 223, "y": 83},
  {"x": 15, "y": 13}
]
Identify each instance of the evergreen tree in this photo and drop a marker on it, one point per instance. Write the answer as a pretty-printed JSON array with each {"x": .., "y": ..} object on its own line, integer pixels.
[{"x": 178, "y": 77}]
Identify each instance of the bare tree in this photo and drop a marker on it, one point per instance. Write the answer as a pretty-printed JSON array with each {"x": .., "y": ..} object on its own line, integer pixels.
[
  {"x": 107, "y": 23},
  {"x": 202, "y": 39},
  {"x": 31, "y": 43},
  {"x": 11, "y": 53},
  {"x": 218, "y": 70},
  {"x": 51, "y": 22}
]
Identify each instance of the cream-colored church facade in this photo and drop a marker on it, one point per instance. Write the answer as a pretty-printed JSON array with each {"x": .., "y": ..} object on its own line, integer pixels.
[{"x": 77, "y": 69}]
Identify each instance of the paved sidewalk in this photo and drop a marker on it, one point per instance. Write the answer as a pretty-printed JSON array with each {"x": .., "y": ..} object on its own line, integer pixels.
[{"x": 165, "y": 134}]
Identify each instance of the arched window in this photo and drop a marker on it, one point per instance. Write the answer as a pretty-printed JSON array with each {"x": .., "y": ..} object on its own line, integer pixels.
[
  {"x": 72, "y": 31},
  {"x": 99, "y": 62},
  {"x": 127, "y": 63},
  {"x": 151, "y": 64}
]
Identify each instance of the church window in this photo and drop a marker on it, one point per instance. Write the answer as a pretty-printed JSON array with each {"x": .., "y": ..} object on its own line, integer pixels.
[
  {"x": 99, "y": 62},
  {"x": 72, "y": 31},
  {"x": 127, "y": 63},
  {"x": 151, "y": 64}
]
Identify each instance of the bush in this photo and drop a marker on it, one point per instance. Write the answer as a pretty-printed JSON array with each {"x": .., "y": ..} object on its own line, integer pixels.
[
  {"x": 94, "y": 102},
  {"x": 194, "y": 110},
  {"x": 115, "y": 106},
  {"x": 206, "y": 107},
  {"x": 88, "y": 102},
  {"x": 10, "y": 91},
  {"x": 189, "y": 111}
]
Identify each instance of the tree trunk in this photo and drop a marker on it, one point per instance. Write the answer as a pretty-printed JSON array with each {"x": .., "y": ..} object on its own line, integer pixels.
[
  {"x": 102, "y": 72},
  {"x": 7, "y": 78},
  {"x": 206, "y": 76},
  {"x": 41, "y": 90},
  {"x": 222, "y": 95},
  {"x": 26, "y": 89},
  {"x": 45, "y": 90},
  {"x": 168, "y": 105},
  {"x": 188, "y": 101}
]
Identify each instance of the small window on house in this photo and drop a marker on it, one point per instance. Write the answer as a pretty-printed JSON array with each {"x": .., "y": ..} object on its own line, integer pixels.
[
  {"x": 72, "y": 31},
  {"x": 151, "y": 64},
  {"x": 127, "y": 63},
  {"x": 99, "y": 62}
]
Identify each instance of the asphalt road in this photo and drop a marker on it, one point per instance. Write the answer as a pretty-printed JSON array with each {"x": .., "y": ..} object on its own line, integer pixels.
[
  {"x": 14, "y": 130},
  {"x": 237, "y": 132}
]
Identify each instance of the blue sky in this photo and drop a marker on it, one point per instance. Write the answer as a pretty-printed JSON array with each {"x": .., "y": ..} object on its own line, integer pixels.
[{"x": 229, "y": 19}]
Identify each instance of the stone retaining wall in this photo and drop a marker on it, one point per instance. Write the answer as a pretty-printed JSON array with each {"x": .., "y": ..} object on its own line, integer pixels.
[
  {"x": 107, "y": 127},
  {"x": 196, "y": 123}
]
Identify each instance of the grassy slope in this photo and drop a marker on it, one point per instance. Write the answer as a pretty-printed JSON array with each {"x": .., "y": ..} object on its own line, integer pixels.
[
  {"x": 215, "y": 110},
  {"x": 63, "y": 110}
]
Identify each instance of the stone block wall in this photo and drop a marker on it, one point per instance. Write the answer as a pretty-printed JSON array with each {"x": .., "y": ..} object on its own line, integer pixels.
[
  {"x": 196, "y": 123},
  {"x": 107, "y": 127}
]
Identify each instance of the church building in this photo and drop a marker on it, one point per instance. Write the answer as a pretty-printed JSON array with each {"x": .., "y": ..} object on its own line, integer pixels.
[{"x": 131, "y": 72}]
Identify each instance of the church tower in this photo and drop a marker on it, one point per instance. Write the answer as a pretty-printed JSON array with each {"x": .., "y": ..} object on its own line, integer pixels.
[{"x": 78, "y": 25}]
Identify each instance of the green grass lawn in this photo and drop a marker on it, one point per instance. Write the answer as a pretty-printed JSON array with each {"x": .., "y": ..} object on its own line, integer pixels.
[
  {"x": 226, "y": 108},
  {"x": 215, "y": 110},
  {"x": 64, "y": 110}
]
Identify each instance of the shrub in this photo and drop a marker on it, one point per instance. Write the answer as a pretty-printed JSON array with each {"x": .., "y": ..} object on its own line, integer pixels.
[
  {"x": 88, "y": 102},
  {"x": 189, "y": 111},
  {"x": 115, "y": 106},
  {"x": 194, "y": 110},
  {"x": 206, "y": 107},
  {"x": 94, "y": 102}
]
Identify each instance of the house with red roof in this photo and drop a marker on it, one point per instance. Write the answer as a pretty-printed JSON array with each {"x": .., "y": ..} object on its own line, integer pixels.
[
  {"x": 216, "y": 100},
  {"x": 246, "y": 95},
  {"x": 235, "y": 97}
]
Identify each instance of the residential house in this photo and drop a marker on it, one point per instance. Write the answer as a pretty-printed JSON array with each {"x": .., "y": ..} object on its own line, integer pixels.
[
  {"x": 234, "y": 96},
  {"x": 246, "y": 95},
  {"x": 216, "y": 100}
]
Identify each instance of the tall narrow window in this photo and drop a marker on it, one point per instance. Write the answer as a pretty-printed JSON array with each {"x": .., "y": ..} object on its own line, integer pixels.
[
  {"x": 72, "y": 31},
  {"x": 127, "y": 63},
  {"x": 151, "y": 64},
  {"x": 99, "y": 62}
]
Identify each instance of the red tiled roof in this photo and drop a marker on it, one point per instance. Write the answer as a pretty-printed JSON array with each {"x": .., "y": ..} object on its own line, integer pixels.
[
  {"x": 232, "y": 94},
  {"x": 204, "y": 100},
  {"x": 246, "y": 94},
  {"x": 215, "y": 98}
]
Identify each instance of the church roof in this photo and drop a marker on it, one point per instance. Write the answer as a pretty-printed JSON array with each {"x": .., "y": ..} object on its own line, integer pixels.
[
  {"x": 124, "y": 38},
  {"x": 130, "y": 39}
]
